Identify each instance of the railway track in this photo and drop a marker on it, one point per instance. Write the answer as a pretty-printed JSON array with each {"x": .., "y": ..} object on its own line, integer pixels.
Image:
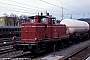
[
  {"x": 12, "y": 53},
  {"x": 67, "y": 53},
  {"x": 28, "y": 54},
  {"x": 80, "y": 55},
  {"x": 63, "y": 54},
  {"x": 6, "y": 46},
  {"x": 75, "y": 52},
  {"x": 6, "y": 49},
  {"x": 7, "y": 41},
  {"x": 9, "y": 52}
]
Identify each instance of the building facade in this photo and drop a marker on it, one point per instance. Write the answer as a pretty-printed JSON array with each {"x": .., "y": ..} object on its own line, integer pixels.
[{"x": 8, "y": 21}]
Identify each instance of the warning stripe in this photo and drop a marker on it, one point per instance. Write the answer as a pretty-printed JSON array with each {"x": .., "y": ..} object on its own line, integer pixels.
[
  {"x": 60, "y": 26},
  {"x": 43, "y": 26},
  {"x": 78, "y": 26},
  {"x": 32, "y": 26}
]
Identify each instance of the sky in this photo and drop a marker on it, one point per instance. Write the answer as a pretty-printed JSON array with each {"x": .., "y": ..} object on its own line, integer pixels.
[{"x": 76, "y": 8}]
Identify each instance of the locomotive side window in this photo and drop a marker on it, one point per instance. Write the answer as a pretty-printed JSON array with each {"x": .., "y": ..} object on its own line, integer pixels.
[
  {"x": 43, "y": 20},
  {"x": 3, "y": 29},
  {"x": 32, "y": 20},
  {"x": 9, "y": 29},
  {"x": 54, "y": 21},
  {"x": 12, "y": 29},
  {"x": 15, "y": 30},
  {"x": 19, "y": 29},
  {"x": 6, "y": 29}
]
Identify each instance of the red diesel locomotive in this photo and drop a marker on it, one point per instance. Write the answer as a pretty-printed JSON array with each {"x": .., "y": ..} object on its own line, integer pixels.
[{"x": 40, "y": 33}]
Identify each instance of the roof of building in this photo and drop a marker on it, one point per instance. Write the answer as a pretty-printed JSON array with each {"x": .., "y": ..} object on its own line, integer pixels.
[
  {"x": 9, "y": 26},
  {"x": 84, "y": 19}
]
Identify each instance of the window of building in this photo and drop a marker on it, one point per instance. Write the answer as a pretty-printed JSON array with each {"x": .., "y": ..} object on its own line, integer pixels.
[{"x": 0, "y": 19}]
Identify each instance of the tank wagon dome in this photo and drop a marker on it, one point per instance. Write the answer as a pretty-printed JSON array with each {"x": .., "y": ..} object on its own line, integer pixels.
[{"x": 75, "y": 25}]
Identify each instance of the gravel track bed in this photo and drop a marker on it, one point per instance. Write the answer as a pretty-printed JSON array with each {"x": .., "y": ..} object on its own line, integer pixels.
[
  {"x": 81, "y": 55},
  {"x": 11, "y": 54}
]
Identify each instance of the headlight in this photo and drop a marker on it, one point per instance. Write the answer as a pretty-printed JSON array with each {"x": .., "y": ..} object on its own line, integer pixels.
[{"x": 36, "y": 38}]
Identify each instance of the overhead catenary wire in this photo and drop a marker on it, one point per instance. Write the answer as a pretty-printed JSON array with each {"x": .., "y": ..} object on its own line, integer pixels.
[
  {"x": 25, "y": 8},
  {"x": 26, "y": 4},
  {"x": 54, "y": 5},
  {"x": 69, "y": 5},
  {"x": 25, "y": 11},
  {"x": 19, "y": 6},
  {"x": 59, "y": 6},
  {"x": 37, "y": 9},
  {"x": 17, "y": 10},
  {"x": 46, "y": 9}
]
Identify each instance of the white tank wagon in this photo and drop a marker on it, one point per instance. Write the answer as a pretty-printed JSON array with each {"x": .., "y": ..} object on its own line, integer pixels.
[{"x": 75, "y": 26}]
